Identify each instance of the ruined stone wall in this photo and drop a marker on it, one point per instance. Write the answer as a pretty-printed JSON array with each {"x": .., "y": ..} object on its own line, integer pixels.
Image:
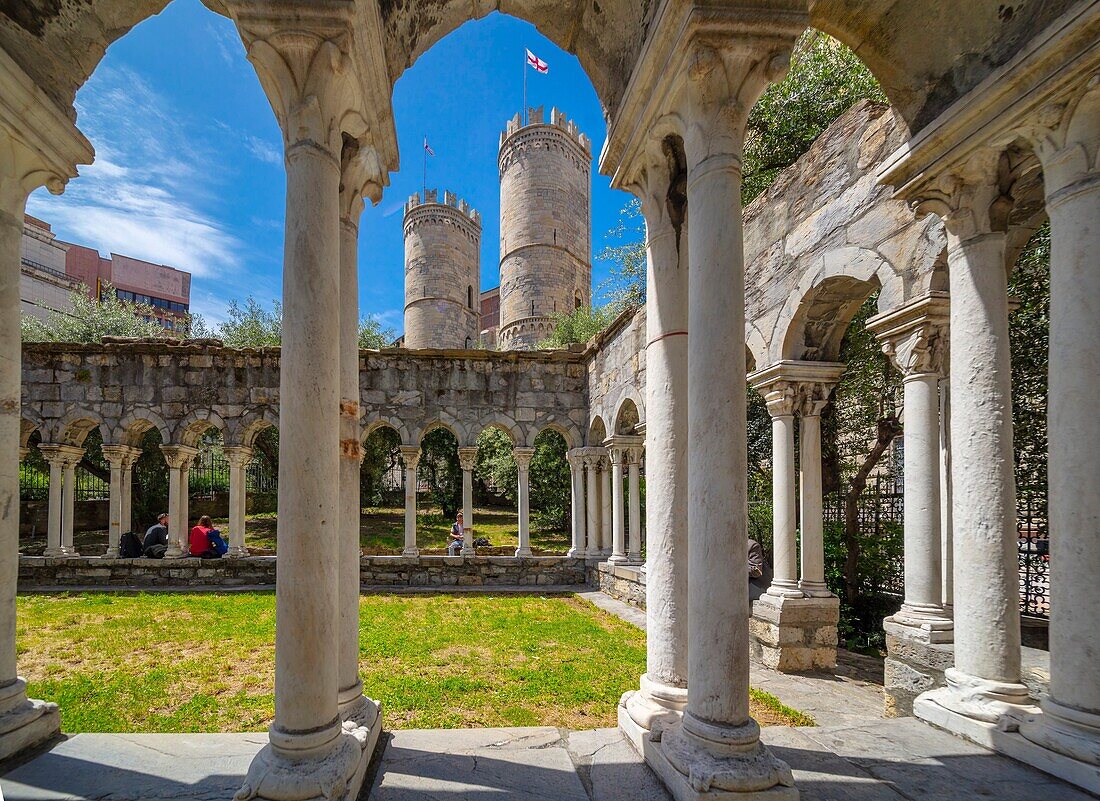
[
  {"x": 442, "y": 272},
  {"x": 185, "y": 389},
  {"x": 545, "y": 226},
  {"x": 616, "y": 369}
]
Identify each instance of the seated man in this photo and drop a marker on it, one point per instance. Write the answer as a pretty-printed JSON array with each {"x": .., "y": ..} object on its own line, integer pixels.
[
  {"x": 759, "y": 574},
  {"x": 458, "y": 533},
  {"x": 155, "y": 543}
]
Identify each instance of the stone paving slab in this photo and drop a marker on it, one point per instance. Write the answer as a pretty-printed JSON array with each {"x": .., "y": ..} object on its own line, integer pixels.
[{"x": 475, "y": 764}]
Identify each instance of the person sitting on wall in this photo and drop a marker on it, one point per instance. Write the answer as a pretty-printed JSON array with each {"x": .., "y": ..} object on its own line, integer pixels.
[
  {"x": 758, "y": 568},
  {"x": 155, "y": 544},
  {"x": 199, "y": 540},
  {"x": 457, "y": 535}
]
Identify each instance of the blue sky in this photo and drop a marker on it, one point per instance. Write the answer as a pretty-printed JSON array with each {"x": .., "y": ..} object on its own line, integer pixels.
[{"x": 189, "y": 169}]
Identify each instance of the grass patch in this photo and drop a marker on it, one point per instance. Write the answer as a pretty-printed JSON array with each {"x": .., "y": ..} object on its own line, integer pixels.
[{"x": 205, "y": 662}]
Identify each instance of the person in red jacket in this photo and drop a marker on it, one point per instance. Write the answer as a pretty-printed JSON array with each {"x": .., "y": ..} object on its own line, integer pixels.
[{"x": 199, "y": 542}]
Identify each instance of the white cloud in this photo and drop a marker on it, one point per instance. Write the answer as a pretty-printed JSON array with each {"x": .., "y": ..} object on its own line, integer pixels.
[
  {"x": 227, "y": 43},
  {"x": 149, "y": 192},
  {"x": 264, "y": 151}
]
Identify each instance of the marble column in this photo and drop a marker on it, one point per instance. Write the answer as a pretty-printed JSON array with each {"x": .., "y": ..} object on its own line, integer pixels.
[
  {"x": 127, "y": 506},
  {"x": 634, "y": 506},
  {"x": 62, "y": 460},
  {"x": 915, "y": 339},
  {"x": 617, "y": 456},
  {"x": 121, "y": 460},
  {"x": 780, "y": 397},
  {"x": 68, "y": 548},
  {"x": 813, "y": 398},
  {"x": 576, "y": 484},
  {"x": 411, "y": 456},
  {"x": 239, "y": 457},
  {"x": 662, "y": 689},
  {"x": 310, "y": 68},
  {"x": 715, "y": 751},
  {"x": 607, "y": 545},
  {"x": 985, "y": 682},
  {"x": 592, "y": 503},
  {"x": 523, "y": 467},
  {"x": 1069, "y": 726},
  {"x": 467, "y": 460},
  {"x": 39, "y": 145},
  {"x": 947, "y": 546},
  {"x": 179, "y": 459}
]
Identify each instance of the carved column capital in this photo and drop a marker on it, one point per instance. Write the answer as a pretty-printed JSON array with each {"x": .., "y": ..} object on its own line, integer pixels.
[
  {"x": 915, "y": 336},
  {"x": 781, "y": 399},
  {"x": 410, "y": 454},
  {"x": 362, "y": 176},
  {"x": 1066, "y": 137},
  {"x": 179, "y": 457},
  {"x": 467, "y": 458},
  {"x": 973, "y": 198},
  {"x": 797, "y": 387},
  {"x": 523, "y": 458},
  {"x": 575, "y": 458},
  {"x": 122, "y": 456},
  {"x": 63, "y": 456},
  {"x": 238, "y": 456}
]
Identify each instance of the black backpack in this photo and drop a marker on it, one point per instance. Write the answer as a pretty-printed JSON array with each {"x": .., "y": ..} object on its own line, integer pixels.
[{"x": 129, "y": 546}]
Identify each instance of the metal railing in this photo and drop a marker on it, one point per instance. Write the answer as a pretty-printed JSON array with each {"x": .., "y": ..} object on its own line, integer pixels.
[
  {"x": 34, "y": 485},
  {"x": 1033, "y": 551}
]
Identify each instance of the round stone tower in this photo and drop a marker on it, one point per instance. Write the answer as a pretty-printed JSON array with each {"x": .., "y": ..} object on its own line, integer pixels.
[
  {"x": 545, "y": 226},
  {"x": 442, "y": 272}
]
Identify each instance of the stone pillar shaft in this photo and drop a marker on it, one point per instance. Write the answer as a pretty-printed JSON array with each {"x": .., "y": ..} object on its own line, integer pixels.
[
  {"x": 634, "y": 512},
  {"x": 592, "y": 504},
  {"x": 411, "y": 455},
  {"x": 53, "y": 521},
  {"x": 523, "y": 465},
  {"x": 467, "y": 458},
  {"x": 121, "y": 460},
  {"x": 618, "y": 523},
  {"x": 239, "y": 458},
  {"x": 576, "y": 484},
  {"x": 812, "y": 581}
]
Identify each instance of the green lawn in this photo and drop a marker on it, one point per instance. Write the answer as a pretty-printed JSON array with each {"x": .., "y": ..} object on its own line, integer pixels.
[{"x": 205, "y": 662}]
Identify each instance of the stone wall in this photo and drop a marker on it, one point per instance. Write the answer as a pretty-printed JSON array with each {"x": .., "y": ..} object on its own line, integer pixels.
[
  {"x": 616, "y": 369},
  {"x": 625, "y": 583},
  {"x": 376, "y": 571},
  {"x": 545, "y": 226},
  {"x": 126, "y": 387},
  {"x": 442, "y": 272}
]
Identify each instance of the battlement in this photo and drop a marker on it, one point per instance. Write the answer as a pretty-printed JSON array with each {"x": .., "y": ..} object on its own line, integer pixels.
[
  {"x": 431, "y": 197},
  {"x": 558, "y": 119}
]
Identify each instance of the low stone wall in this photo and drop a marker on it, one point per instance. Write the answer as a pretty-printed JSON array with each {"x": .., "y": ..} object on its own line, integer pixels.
[
  {"x": 36, "y": 572},
  {"x": 87, "y": 516},
  {"x": 625, "y": 583}
]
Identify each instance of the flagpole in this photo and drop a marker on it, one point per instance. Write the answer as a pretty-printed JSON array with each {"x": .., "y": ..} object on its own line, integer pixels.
[
  {"x": 425, "y": 155},
  {"x": 524, "y": 109}
]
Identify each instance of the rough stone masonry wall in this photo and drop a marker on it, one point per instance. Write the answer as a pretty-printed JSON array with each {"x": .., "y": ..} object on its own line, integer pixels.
[
  {"x": 183, "y": 389},
  {"x": 442, "y": 273},
  {"x": 374, "y": 571},
  {"x": 545, "y": 226}
]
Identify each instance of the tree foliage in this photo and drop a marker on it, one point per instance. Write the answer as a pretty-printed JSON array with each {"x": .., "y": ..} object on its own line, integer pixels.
[
  {"x": 250, "y": 325},
  {"x": 579, "y": 326},
  {"x": 90, "y": 319},
  {"x": 1029, "y": 338}
]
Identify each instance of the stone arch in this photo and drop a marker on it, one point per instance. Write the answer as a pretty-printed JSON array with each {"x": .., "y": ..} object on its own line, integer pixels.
[
  {"x": 568, "y": 431},
  {"x": 817, "y": 312},
  {"x": 136, "y": 422},
  {"x": 244, "y": 429},
  {"x": 501, "y": 422},
  {"x": 750, "y": 357},
  {"x": 442, "y": 421},
  {"x": 74, "y": 427},
  {"x": 393, "y": 423},
  {"x": 29, "y": 422},
  {"x": 597, "y": 432},
  {"x": 628, "y": 414},
  {"x": 195, "y": 424}
]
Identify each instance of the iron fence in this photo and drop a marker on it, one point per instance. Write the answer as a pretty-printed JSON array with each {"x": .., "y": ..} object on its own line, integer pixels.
[
  {"x": 209, "y": 476},
  {"x": 34, "y": 485},
  {"x": 1033, "y": 549},
  {"x": 880, "y": 512}
]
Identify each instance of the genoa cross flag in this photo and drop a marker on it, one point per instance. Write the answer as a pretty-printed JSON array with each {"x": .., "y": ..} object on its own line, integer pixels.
[{"x": 537, "y": 63}]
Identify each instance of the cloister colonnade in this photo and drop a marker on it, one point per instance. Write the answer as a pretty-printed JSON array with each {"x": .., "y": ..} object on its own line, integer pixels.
[{"x": 989, "y": 103}]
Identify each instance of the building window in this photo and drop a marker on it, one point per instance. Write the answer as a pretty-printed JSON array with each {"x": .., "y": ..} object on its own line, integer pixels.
[
  {"x": 577, "y": 299},
  {"x": 470, "y": 296}
]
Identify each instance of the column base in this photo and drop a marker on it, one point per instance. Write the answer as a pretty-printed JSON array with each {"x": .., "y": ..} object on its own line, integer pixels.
[
  {"x": 112, "y": 553},
  {"x": 237, "y": 553},
  {"x": 733, "y": 764},
  {"x": 411, "y": 553},
  {"x": 61, "y": 552},
  {"x": 576, "y": 553},
  {"x": 523, "y": 553},
  {"x": 592, "y": 554},
  {"x": 815, "y": 589},
  {"x": 972, "y": 707},
  {"x": 617, "y": 559},
  {"x": 175, "y": 552},
  {"x": 333, "y": 771},
  {"x": 795, "y": 635},
  {"x": 634, "y": 559},
  {"x": 930, "y": 623},
  {"x": 915, "y": 663},
  {"x": 652, "y": 705},
  {"x": 25, "y": 722},
  {"x": 1060, "y": 740},
  {"x": 365, "y": 713}
]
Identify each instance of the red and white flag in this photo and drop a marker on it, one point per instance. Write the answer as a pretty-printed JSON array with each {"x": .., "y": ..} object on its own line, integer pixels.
[
  {"x": 537, "y": 63},
  {"x": 427, "y": 148}
]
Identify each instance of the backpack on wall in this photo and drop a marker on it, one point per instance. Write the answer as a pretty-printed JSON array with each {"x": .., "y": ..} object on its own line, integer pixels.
[{"x": 129, "y": 546}]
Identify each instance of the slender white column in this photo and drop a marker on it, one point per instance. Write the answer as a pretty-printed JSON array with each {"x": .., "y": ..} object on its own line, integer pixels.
[
  {"x": 947, "y": 547},
  {"x": 523, "y": 467},
  {"x": 915, "y": 338},
  {"x": 812, "y": 581},
  {"x": 411, "y": 455},
  {"x": 1070, "y": 723},
  {"x": 634, "y": 507},
  {"x": 716, "y": 747},
  {"x": 55, "y": 456},
  {"x": 127, "y": 513},
  {"x": 309, "y": 73},
  {"x": 576, "y": 484},
  {"x": 617, "y": 455},
  {"x": 184, "y": 523},
  {"x": 239, "y": 458},
  {"x": 592, "y": 504},
  {"x": 467, "y": 459},
  {"x": 607, "y": 545},
  {"x": 985, "y": 681},
  {"x": 781, "y": 398},
  {"x": 179, "y": 459},
  {"x": 121, "y": 460},
  {"x": 38, "y": 145},
  {"x": 662, "y": 689},
  {"x": 69, "y": 513}
]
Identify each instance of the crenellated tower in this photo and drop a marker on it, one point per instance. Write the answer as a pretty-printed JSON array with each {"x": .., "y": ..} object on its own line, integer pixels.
[
  {"x": 545, "y": 226},
  {"x": 442, "y": 272}
]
